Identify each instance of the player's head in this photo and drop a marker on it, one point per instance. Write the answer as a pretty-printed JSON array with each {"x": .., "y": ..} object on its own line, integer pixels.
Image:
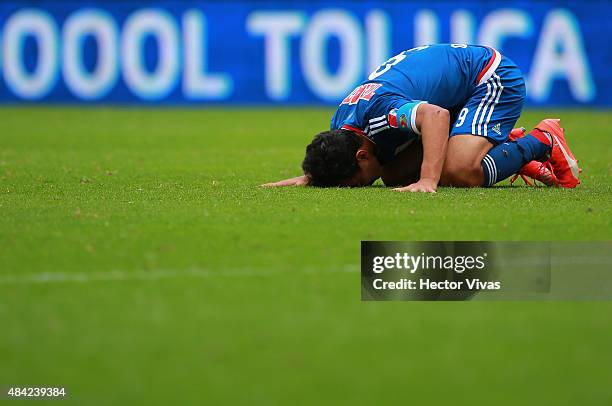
[{"x": 340, "y": 158}]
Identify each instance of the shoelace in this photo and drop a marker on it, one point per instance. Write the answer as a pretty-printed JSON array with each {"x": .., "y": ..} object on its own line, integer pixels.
[
  {"x": 544, "y": 166},
  {"x": 525, "y": 179}
]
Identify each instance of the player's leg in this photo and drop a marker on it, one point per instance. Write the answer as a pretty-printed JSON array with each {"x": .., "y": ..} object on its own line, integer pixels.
[
  {"x": 464, "y": 155},
  {"x": 472, "y": 162},
  {"x": 488, "y": 117}
]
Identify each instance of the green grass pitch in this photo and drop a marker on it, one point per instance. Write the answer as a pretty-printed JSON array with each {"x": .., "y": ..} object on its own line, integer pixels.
[{"x": 141, "y": 264}]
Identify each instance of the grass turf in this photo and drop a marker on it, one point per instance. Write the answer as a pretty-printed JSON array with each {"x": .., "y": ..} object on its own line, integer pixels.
[{"x": 139, "y": 263}]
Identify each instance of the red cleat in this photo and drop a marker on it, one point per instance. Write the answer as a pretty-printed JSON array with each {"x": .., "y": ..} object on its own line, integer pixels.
[
  {"x": 564, "y": 164},
  {"x": 535, "y": 170},
  {"x": 538, "y": 171}
]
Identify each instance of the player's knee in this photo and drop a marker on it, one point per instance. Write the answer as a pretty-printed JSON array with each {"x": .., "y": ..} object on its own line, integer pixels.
[
  {"x": 463, "y": 174},
  {"x": 472, "y": 179}
]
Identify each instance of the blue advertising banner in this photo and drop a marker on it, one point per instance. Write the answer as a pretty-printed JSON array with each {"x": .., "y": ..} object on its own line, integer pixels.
[{"x": 274, "y": 52}]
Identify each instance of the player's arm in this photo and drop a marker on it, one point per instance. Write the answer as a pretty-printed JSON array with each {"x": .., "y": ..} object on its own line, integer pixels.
[
  {"x": 297, "y": 181},
  {"x": 433, "y": 123}
]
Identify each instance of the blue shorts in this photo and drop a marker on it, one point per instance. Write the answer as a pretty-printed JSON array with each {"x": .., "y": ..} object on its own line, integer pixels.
[{"x": 495, "y": 105}]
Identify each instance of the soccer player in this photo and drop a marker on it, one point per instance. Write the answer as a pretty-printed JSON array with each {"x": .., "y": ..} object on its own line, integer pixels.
[{"x": 460, "y": 103}]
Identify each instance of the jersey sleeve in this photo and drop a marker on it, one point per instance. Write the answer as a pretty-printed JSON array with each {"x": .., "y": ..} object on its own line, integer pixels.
[{"x": 403, "y": 115}]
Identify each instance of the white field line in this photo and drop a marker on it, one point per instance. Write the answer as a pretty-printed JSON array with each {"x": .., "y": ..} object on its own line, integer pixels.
[{"x": 125, "y": 275}]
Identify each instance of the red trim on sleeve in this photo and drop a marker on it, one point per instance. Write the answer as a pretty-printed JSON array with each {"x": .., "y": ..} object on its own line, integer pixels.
[{"x": 354, "y": 129}]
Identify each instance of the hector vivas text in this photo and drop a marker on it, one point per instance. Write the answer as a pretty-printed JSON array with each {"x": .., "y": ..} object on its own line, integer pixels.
[{"x": 429, "y": 265}]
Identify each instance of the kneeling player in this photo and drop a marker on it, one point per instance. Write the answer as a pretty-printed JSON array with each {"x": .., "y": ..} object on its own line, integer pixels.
[{"x": 415, "y": 97}]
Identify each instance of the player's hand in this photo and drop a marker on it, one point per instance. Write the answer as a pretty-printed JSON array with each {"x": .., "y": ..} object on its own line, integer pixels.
[
  {"x": 298, "y": 181},
  {"x": 423, "y": 185}
]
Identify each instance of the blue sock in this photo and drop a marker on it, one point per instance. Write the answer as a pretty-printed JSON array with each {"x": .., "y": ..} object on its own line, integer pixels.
[{"x": 508, "y": 158}]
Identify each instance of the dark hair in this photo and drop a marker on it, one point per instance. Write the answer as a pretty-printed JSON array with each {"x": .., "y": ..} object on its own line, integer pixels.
[{"x": 330, "y": 158}]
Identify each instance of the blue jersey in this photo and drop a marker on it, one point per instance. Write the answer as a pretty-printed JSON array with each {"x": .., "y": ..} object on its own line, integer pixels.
[{"x": 384, "y": 107}]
